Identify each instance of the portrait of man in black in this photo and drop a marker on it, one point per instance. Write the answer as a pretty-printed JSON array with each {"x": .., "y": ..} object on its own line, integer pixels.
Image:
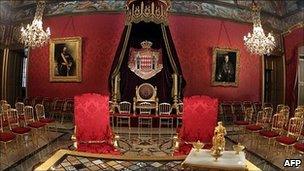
[
  {"x": 65, "y": 61},
  {"x": 226, "y": 71}
]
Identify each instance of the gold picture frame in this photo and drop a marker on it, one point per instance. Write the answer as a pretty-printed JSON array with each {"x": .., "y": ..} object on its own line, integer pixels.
[
  {"x": 225, "y": 67},
  {"x": 66, "y": 59}
]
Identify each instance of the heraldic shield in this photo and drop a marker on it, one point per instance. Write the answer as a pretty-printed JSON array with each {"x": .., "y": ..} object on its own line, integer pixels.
[{"x": 145, "y": 62}]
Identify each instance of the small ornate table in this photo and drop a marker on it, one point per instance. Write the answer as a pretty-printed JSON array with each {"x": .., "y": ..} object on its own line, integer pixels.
[{"x": 202, "y": 159}]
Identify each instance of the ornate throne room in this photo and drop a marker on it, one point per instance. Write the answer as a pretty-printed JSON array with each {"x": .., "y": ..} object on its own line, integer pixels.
[{"x": 152, "y": 85}]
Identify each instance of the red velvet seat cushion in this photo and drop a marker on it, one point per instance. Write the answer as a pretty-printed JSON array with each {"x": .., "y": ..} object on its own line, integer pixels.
[
  {"x": 11, "y": 121},
  {"x": 4, "y": 124},
  {"x": 145, "y": 116},
  {"x": 6, "y": 136},
  {"x": 21, "y": 117},
  {"x": 299, "y": 146},
  {"x": 21, "y": 130},
  {"x": 241, "y": 123},
  {"x": 36, "y": 124},
  {"x": 269, "y": 134},
  {"x": 46, "y": 120},
  {"x": 177, "y": 130},
  {"x": 253, "y": 127},
  {"x": 286, "y": 140},
  {"x": 165, "y": 116},
  {"x": 123, "y": 115}
]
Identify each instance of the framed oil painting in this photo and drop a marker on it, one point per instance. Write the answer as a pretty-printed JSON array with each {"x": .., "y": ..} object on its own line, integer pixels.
[
  {"x": 225, "y": 67},
  {"x": 65, "y": 59}
]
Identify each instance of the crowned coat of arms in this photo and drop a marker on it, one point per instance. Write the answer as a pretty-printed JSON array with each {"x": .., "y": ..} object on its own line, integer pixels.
[{"x": 145, "y": 62}]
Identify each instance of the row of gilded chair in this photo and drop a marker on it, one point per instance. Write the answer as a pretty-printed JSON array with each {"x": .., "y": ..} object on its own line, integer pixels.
[
  {"x": 56, "y": 108},
  {"x": 268, "y": 111},
  {"x": 145, "y": 117},
  {"x": 279, "y": 127},
  {"x": 230, "y": 110},
  {"x": 24, "y": 112},
  {"x": 14, "y": 124}
]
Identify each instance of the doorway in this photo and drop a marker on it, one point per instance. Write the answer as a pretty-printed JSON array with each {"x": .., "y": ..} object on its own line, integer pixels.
[{"x": 273, "y": 79}]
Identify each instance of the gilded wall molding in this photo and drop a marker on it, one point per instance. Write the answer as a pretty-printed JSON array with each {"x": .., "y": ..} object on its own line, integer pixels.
[{"x": 293, "y": 27}]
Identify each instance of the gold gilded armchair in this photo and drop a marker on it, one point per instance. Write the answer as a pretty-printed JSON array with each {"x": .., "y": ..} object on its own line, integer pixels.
[{"x": 145, "y": 93}]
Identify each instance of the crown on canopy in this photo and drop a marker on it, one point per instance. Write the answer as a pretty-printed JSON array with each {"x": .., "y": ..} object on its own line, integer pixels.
[
  {"x": 146, "y": 44},
  {"x": 148, "y": 11}
]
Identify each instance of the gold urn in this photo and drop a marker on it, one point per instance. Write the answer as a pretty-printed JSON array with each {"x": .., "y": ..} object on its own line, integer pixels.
[
  {"x": 238, "y": 148},
  {"x": 198, "y": 145}
]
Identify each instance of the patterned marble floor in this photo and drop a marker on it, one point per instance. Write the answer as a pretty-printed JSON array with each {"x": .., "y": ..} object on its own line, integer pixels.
[
  {"x": 149, "y": 142},
  {"x": 81, "y": 163},
  {"x": 145, "y": 142}
]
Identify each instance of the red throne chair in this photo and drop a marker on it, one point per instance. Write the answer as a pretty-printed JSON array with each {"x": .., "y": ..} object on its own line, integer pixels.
[
  {"x": 93, "y": 132},
  {"x": 199, "y": 120}
]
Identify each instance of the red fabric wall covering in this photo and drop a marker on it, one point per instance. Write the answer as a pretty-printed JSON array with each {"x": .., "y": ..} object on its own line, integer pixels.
[
  {"x": 193, "y": 37},
  {"x": 100, "y": 33},
  {"x": 291, "y": 43}
]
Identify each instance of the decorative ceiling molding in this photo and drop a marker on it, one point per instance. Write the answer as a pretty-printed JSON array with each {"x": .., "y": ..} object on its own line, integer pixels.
[
  {"x": 293, "y": 20},
  {"x": 237, "y": 10}
]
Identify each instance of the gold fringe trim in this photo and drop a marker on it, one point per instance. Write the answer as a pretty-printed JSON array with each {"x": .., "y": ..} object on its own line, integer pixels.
[
  {"x": 147, "y": 13},
  {"x": 122, "y": 54},
  {"x": 168, "y": 49}
]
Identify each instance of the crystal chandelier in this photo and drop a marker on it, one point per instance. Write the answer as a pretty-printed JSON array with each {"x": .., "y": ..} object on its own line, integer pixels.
[
  {"x": 257, "y": 42},
  {"x": 34, "y": 35}
]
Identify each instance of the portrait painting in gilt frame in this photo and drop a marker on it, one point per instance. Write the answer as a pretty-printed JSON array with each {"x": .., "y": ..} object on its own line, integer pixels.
[
  {"x": 65, "y": 59},
  {"x": 225, "y": 67}
]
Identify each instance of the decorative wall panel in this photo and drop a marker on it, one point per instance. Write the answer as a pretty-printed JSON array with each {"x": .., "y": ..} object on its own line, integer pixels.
[
  {"x": 100, "y": 37},
  {"x": 194, "y": 46}
]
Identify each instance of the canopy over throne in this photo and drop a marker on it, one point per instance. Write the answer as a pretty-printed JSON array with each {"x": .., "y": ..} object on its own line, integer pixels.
[{"x": 146, "y": 54}]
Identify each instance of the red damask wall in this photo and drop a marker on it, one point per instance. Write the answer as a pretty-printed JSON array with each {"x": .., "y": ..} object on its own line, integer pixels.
[
  {"x": 100, "y": 36},
  {"x": 292, "y": 41},
  {"x": 194, "y": 38}
]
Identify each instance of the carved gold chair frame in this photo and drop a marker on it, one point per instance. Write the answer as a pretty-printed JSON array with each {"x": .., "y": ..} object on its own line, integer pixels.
[{"x": 153, "y": 99}]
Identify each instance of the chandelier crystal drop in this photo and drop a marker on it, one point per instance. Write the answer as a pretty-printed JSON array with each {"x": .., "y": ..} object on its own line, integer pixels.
[
  {"x": 257, "y": 42},
  {"x": 34, "y": 35}
]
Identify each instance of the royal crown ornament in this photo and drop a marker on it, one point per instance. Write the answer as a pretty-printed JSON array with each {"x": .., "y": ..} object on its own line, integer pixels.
[{"x": 146, "y": 44}]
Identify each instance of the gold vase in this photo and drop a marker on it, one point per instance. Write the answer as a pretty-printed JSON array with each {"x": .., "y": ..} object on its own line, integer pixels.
[
  {"x": 238, "y": 148},
  {"x": 198, "y": 145},
  {"x": 217, "y": 153}
]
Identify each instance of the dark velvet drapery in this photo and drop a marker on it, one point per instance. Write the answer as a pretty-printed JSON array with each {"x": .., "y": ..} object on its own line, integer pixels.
[{"x": 160, "y": 36}]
